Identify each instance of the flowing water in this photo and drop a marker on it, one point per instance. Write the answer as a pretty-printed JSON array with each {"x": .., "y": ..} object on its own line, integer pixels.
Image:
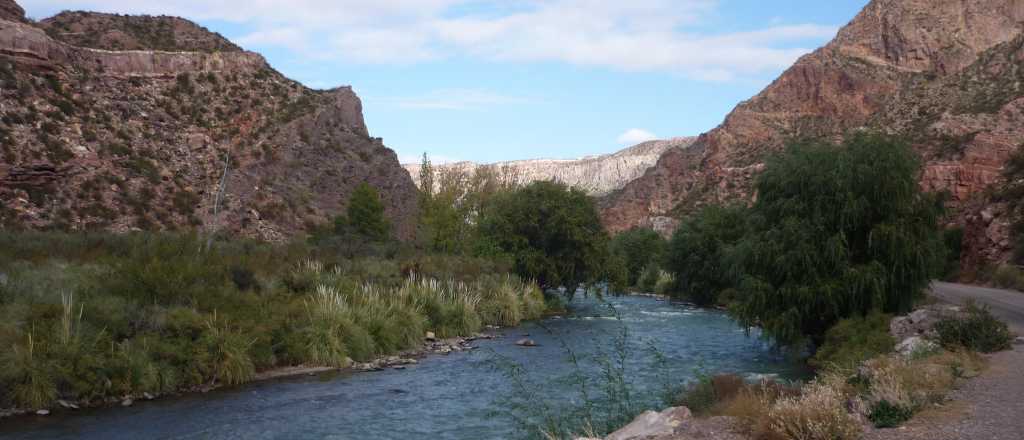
[{"x": 459, "y": 396}]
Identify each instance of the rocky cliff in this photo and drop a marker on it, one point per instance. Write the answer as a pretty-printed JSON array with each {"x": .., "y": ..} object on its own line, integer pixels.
[
  {"x": 598, "y": 175},
  {"x": 945, "y": 74},
  {"x": 102, "y": 138}
]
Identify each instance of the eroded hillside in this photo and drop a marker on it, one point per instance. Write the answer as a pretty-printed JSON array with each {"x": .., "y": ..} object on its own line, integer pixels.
[{"x": 100, "y": 138}]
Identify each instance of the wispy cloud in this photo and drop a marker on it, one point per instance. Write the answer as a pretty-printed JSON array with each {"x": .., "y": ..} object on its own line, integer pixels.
[{"x": 635, "y": 35}]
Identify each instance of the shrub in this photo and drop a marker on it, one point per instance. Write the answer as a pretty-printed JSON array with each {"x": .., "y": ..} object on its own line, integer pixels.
[
  {"x": 708, "y": 391},
  {"x": 1009, "y": 277},
  {"x": 978, "y": 330},
  {"x": 639, "y": 248},
  {"x": 887, "y": 415},
  {"x": 819, "y": 413},
  {"x": 854, "y": 340}
]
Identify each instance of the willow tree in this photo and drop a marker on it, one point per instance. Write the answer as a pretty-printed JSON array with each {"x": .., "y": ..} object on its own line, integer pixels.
[{"x": 837, "y": 231}]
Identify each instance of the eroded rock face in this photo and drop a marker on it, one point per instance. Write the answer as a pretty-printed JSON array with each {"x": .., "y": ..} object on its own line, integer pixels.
[
  {"x": 139, "y": 139},
  {"x": 598, "y": 175},
  {"x": 947, "y": 74},
  {"x": 117, "y": 32},
  {"x": 11, "y": 11}
]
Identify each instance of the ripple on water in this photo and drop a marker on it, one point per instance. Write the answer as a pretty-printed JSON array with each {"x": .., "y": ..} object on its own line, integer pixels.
[{"x": 453, "y": 397}]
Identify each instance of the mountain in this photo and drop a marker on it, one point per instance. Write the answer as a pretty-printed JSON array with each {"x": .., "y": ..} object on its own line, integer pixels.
[
  {"x": 946, "y": 74},
  {"x": 117, "y": 122},
  {"x": 598, "y": 175}
]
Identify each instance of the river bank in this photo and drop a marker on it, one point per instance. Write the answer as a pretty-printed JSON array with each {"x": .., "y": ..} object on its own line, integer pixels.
[
  {"x": 431, "y": 346},
  {"x": 464, "y": 397}
]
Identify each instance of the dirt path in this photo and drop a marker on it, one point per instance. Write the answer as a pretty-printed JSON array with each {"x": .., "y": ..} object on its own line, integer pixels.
[{"x": 989, "y": 407}]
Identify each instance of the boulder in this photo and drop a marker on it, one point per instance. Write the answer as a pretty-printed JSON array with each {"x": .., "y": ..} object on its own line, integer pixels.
[
  {"x": 914, "y": 344},
  {"x": 127, "y": 402},
  {"x": 650, "y": 424},
  {"x": 526, "y": 342},
  {"x": 431, "y": 337},
  {"x": 43, "y": 412}
]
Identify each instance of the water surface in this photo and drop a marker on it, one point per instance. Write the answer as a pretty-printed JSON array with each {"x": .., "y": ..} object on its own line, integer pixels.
[{"x": 459, "y": 397}]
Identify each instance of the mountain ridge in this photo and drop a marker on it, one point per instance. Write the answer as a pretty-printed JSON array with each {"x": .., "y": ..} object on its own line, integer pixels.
[
  {"x": 891, "y": 69},
  {"x": 99, "y": 138},
  {"x": 596, "y": 174}
]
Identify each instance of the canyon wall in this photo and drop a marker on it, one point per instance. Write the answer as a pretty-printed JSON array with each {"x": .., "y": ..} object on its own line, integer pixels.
[
  {"x": 944, "y": 74},
  {"x": 213, "y": 138}
]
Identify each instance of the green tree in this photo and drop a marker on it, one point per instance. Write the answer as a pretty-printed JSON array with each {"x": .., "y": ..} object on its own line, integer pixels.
[
  {"x": 837, "y": 232},
  {"x": 638, "y": 248},
  {"x": 552, "y": 233},
  {"x": 365, "y": 214},
  {"x": 699, "y": 253},
  {"x": 1013, "y": 195}
]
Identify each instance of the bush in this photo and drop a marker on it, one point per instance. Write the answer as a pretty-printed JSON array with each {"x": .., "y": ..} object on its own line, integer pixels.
[
  {"x": 1009, "y": 277},
  {"x": 819, "y": 413},
  {"x": 887, "y": 415},
  {"x": 978, "y": 330},
  {"x": 854, "y": 340}
]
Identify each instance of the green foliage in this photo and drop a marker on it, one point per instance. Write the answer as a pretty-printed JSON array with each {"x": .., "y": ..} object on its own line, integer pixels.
[
  {"x": 366, "y": 213},
  {"x": 90, "y": 317},
  {"x": 954, "y": 240},
  {"x": 451, "y": 201},
  {"x": 1013, "y": 195},
  {"x": 552, "y": 233},
  {"x": 641, "y": 250},
  {"x": 836, "y": 232},
  {"x": 854, "y": 340},
  {"x": 699, "y": 252},
  {"x": 888, "y": 415},
  {"x": 978, "y": 330},
  {"x": 1009, "y": 277}
]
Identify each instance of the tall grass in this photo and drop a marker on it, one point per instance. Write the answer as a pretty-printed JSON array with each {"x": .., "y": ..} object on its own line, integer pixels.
[{"x": 94, "y": 316}]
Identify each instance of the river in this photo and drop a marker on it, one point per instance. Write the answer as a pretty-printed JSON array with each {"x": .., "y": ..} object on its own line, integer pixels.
[{"x": 458, "y": 396}]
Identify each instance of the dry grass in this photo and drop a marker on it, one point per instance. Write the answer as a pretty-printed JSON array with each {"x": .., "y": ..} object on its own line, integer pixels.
[{"x": 819, "y": 413}]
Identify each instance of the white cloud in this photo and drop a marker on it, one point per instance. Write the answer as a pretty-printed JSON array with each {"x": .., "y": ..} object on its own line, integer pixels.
[
  {"x": 635, "y": 35},
  {"x": 635, "y": 136}
]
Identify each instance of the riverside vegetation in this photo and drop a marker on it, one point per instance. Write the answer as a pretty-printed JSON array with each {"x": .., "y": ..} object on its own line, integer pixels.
[
  {"x": 93, "y": 317},
  {"x": 839, "y": 240}
]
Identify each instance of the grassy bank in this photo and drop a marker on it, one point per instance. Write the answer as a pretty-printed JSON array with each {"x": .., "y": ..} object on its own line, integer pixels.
[{"x": 91, "y": 318}]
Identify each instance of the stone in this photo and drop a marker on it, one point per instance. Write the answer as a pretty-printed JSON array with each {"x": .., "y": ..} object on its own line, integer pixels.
[
  {"x": 148, "y": 396},
  {"x": 43, "y": 412},
  {"x": 431, "y": 337},
  {"x": 652, "y": 424},
  {"x": 526, "y": 342},
  {"x": 915, "y": 344},
  {"x": 1019, "y": 340},
  {"x": 127, "y": 402}
]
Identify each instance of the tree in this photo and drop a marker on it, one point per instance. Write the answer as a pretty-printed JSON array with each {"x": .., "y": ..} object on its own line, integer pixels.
[
  {"x": 1013, "y": 195},
  {"x": 638, "y": 248},
  {"x": 366, "y": 213},
  {"x": 552, "y": 233},
  {"x": 837, "y": 232},
  {"x": 700, "y": 250}
]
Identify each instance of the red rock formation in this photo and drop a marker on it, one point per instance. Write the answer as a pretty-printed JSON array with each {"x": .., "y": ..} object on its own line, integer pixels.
[
  {"x": 944, "y": 73},
  {"x": 94, "y": 138},
  {"x": 10, "y": 11}
]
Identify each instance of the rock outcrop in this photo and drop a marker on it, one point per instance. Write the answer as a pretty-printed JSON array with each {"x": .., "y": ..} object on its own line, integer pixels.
[
  {"x": 946, "y": 74},
  {"x": 598, "y": 175},
  {"x": 11, "y": 11},
  {"x": 168, "y": 135}
]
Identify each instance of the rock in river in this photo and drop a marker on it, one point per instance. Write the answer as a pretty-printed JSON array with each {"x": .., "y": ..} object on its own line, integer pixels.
[{"x": 526, "y": 342}]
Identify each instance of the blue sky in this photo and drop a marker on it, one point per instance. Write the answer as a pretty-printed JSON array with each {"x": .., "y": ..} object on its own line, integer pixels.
[{"x": 491, "y": 80}]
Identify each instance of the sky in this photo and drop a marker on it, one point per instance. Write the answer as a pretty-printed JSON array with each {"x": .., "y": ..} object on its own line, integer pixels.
[{"x": 492, "y": 80}]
